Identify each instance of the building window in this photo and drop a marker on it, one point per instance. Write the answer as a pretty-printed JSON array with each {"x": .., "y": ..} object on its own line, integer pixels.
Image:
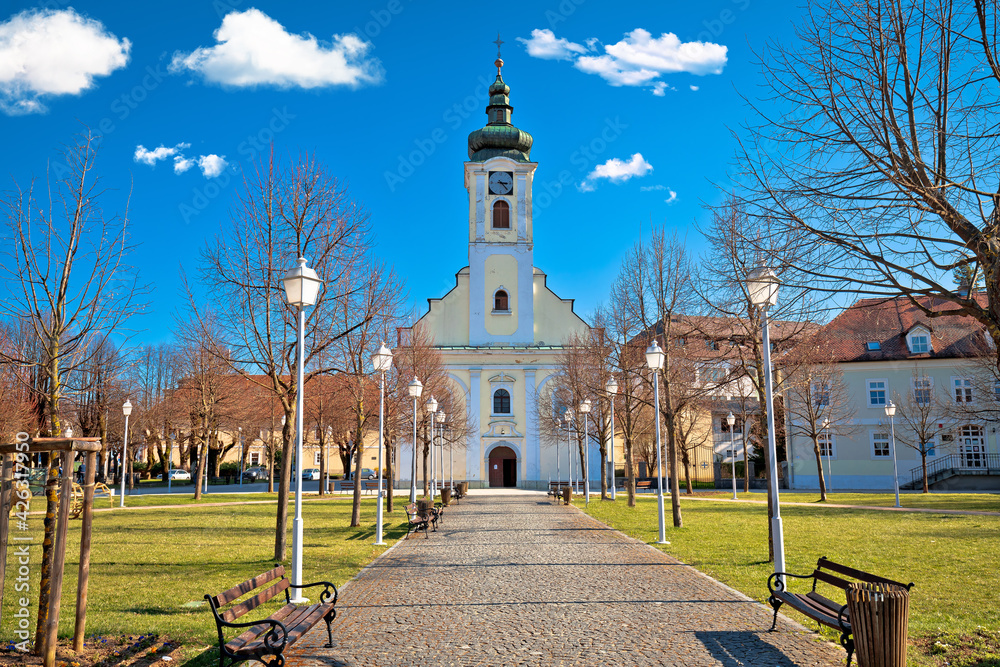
[
  {"x": 826, "y": 445},
  {"x": 501, "y": 402},
  {"x": 712, "y": 344},
  {"x": 963, "y": 389},
  {"x": 880, "y": 445},
  {"x": 929, "y": 447},
  {"x": 821, "y": 393},
  {"x": 996, "y": 390},
  {"x": 923, "y": 390},
  {"x": 971, "y": 447},
  {"x": 737, "y": 425},
  {"x": 682, "y": 341},
  {"x": 500, "y": 301},
  {"x": 919, "y": 342},
  {"x": 254, "y": 458},
  {"x": 501, "y": 215},
  {"x": 874, "y": 345},
  {"x": 316, "y": 462},
  {"x": 877, "y": 391}
]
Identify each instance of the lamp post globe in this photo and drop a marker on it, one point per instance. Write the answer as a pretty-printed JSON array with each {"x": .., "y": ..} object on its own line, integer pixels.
[
  {"x": 829, "y": 454},
  {"x": 439, "y": 417},
  {"x": 890, "y": 412},
  {"x": 611, "y": 388},
  {"x": 414, "y": 389},
  {"x": 381, "y": 362},
  {"x": 126, "y": 411},
  {"x": 654, "y": 360},
  {"x": 431, "y": 405},
  {"x": 302, "y": 286},
  {"x": 731, "y": 421},
  {"x": 585, "y": 410},
  {"x": 568, "y": 418},
  {"x": 762, "y": 290}
]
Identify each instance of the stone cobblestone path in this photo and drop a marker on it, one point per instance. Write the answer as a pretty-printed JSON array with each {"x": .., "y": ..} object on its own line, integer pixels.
[{"x": 519, "y": 580}]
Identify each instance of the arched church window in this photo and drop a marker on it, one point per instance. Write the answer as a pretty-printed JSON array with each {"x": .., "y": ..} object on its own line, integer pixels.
[
  {"x": 501, "y": 215},
  {"x": 501, "y": 402},
  {"x": 500, "y": 300}
]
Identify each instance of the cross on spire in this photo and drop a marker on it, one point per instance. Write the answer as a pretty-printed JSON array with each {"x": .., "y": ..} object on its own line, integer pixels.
[{"x": 498, "y": 42}]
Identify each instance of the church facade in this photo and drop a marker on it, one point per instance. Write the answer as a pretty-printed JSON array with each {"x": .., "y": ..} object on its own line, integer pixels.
[{"x": 500, "y": 331}]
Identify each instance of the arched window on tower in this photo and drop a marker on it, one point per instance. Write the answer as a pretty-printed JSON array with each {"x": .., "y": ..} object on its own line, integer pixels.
[
  {"x": 500, "y": 301},
  {"x": 501, "y": 215},
  {"x": 501, "y": 402}
]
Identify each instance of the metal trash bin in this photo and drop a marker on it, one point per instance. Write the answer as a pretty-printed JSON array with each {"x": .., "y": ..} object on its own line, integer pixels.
[{"x": 880, "y": 615}]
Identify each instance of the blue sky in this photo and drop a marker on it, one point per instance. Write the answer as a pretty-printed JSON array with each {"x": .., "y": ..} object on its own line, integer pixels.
[{"x": 630, "y": 106}]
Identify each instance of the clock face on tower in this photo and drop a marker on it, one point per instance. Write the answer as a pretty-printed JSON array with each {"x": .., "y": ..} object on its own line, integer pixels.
[{"x": 501, "y": 182}]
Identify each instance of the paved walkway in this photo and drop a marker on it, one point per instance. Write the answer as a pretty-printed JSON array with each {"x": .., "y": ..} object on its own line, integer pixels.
[{"x": 517, "y": 580}]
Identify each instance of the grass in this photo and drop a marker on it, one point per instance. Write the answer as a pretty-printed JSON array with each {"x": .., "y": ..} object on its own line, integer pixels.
[
  {"x": 982, "y": 502},
  {"x": 151, "y": 569},
  {"x": 186, "y": 497},
  {"x": 951, "y": 558}
]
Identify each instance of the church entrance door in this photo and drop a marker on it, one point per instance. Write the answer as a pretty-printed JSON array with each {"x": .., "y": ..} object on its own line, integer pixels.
[{"x": 503, "y": 468}]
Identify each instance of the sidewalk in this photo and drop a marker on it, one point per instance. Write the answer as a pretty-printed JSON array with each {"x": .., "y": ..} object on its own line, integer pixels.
[{"x": 517, "y": 580}]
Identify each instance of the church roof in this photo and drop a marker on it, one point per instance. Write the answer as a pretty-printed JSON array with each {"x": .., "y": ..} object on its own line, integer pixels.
[{"x": 499, "y": 138}]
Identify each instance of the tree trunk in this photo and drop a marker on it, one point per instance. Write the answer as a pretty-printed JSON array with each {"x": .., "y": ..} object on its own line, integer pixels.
[
  {"x": 629, "y": 473},
  {"x": 281, "y": 521},
  {"x": 923, "y": 465},
  {"x": 322, "y": 462},
  {"x": 819, "y": 468},
  {"x": 200, "y": 475},
  {"x": 358, "y": 449},
  {"x": 48, "y": 546}
]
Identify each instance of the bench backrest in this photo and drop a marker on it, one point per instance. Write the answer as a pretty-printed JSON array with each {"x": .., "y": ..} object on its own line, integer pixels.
[
  {"x": 236, "y": 592},
  {"x": 369, "y": 484},
  {"x": 347, "y": 485},
  {"x": 844, "y": 571}
]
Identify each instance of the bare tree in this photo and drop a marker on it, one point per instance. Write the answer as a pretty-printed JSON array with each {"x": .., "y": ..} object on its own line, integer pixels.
[
  {"x": 876, "y": 149},
  {"x": 284, "y": 212},
  {"x": 923, "y": 418}
]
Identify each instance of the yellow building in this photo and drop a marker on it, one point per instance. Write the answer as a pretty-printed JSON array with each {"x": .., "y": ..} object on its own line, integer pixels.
[{"x": 501, "y": 330}]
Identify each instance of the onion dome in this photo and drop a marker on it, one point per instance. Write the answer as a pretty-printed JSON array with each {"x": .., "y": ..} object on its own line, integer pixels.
[{"x": 499, "y": 138}]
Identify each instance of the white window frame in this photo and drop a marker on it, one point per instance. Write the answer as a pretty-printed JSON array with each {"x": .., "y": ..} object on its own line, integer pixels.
[
  {"x": 960, "y": 383},
  {"x": 922, "y": 383},
  {"x": 317, "y": 458},
  {"x": 888, "y": 441},
  {"x": 885, "y": 390},
  {"x": 827, "y": 440},
  {"x": 911, "y": 342},
  {"x": 254, "y": 459},
  {"x": 821, "y": 390}
]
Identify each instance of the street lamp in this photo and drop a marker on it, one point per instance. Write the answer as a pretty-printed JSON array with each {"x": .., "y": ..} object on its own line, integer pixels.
[
  {"x": 585, "y": 410},
  {"x": 829, "y": 453},
  {"x": 414, "y": 389},
  {"x": 431, "y": 406},
  {"x": 654, "y": 360},
  {"x": 890, "y": 412},
  {"x": 126, "y": 410},
  {"x": 568, "y": 417},
  {"x": 240, "y": 429},
  {"x": 301, "y": 289},
  {"x": 439, "y": 470},
  {"x": 381, "y": 362},
  {"x": 762, "y": 288},
  {"x": 731, "y": 420},
  {"x": 611, "y": 387}
]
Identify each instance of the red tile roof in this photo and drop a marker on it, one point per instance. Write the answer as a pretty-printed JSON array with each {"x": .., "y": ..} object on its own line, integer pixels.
[{"x": 887, "y": 322}]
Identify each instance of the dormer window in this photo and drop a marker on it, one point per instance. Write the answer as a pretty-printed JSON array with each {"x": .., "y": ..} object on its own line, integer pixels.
[
  {"x": 874, "y": 345},
  {"x": 501, "y": 215},
  {"x": 500, "y": 301},
  {"x": 919, "y": 341}
]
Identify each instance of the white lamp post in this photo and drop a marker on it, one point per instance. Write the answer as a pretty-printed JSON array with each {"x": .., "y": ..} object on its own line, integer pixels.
[
  {"x": 654, "y": 360},
  {"x": 762, "y": 288},
  {"x": 170, "y": 460},
  {"x": 414, "y": 389},
  {"x": 431, "y": 406},
  {"x": 585, "y": 410},
  {"x": 439, "y": 470},
  {"x": 240, "y": 429},
  {"x": 611, "y": 387},
  {"x": 731, "y": 420},
  {"x": 829, "y": 453},
  {"x": 890, "y": 412},
  {"x": 568, "y": 416},
  {"x": 301, "y": 289},
  {"x": 381, "y": 362},
  {"x": 558, "y": 423},
  {"x": 126, "y": 410}
]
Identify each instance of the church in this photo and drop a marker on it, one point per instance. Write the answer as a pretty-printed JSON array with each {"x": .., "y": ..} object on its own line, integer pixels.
[{"x": 500, "y": 331}]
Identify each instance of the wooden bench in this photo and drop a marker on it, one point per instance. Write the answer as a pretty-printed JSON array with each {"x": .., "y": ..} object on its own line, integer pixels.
[
  {"x": 818, "y": 607},
  {"x": 268, "y": 636},
  {"x": 644, "y": 485},
  {"x": 369, "y": 485},
  {"x": 418, "y": 520}
]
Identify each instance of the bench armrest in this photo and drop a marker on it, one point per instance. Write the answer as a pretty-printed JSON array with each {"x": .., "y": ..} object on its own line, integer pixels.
[
  {"x": 274, "y": 640},
  {"x": 325, "y": 595},
  {"x": 775, "y": 584},
  {"x": 842, "y": 620}
]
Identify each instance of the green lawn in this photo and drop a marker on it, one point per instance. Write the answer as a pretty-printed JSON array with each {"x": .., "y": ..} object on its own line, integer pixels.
[
  {"x": 983, "y": 502},
  {"x": 151, "y": 569},
  {"x": 952, "y": 559}
]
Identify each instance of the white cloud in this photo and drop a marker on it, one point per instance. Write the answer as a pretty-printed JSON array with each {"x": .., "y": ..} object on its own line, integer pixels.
[
  {"x": 638, "y": 59},
  {"x": 161, "y": 152},
  {"x": 212, "y": 165},
  {"x": 544, "y": 44},
  {"x": 648, "y": 188},
  {"x": 616, "y": 171},
  {"x": 182, "y": 164},
  {"x": 47, "y": 52},
  {"x": 672, "y": 198},
  {"x": 694, "y": 88},
  {"x": 253, "y": 49}
]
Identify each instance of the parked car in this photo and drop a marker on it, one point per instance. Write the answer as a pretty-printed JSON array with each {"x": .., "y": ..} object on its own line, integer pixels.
[
  {"x": 366, "y": 473},
  {"x": 310, "y": 473},
  {"x": 254, "y": 474},
  {"x": 178, "y": 474}
]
